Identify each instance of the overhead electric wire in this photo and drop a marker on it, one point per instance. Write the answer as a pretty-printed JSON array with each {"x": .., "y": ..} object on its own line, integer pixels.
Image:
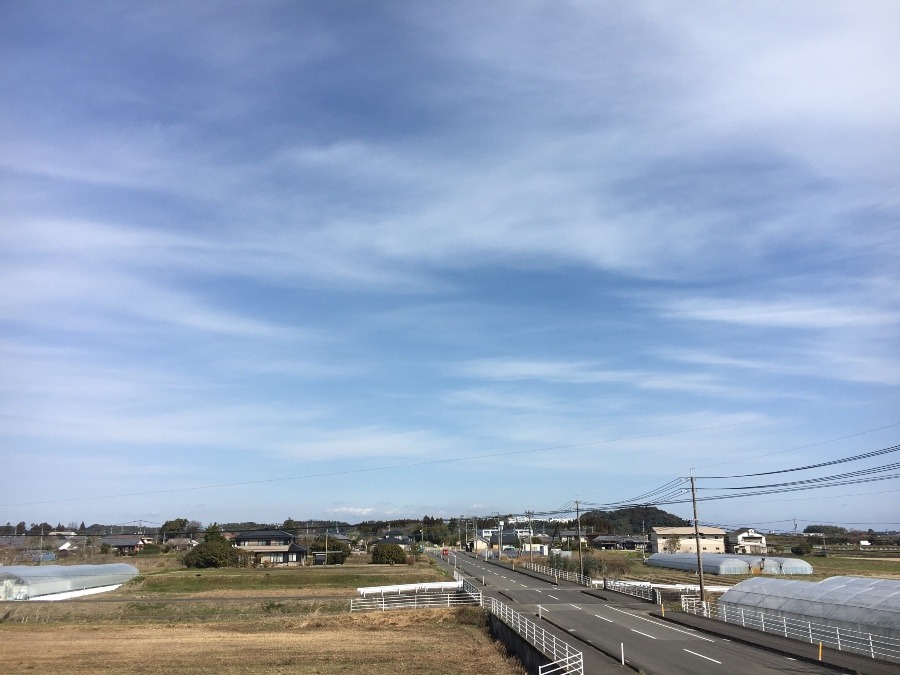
[
  {"x": 823, "y": 479},
  {"x": 866, "y": 455}
]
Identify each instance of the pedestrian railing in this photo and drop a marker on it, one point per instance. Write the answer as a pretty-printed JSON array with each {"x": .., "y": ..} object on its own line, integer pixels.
[
  {"x": 643, "y": 591},
  {"x": 383, "y": 603},
  {"x": 565, "y": 659},
  {"x": 842, "y": 639},
  {"x": 574, "y": 577},
  {"x": 468, "y": 588}
]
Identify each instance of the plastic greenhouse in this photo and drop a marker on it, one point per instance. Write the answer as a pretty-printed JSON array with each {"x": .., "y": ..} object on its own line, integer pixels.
[
  {"x": 57, "y": 582},
  {"x": 847, "y": 603},
  {"x": 717, "y": 563}
]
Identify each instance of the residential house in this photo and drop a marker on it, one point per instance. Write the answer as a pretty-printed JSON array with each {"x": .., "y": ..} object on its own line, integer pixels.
[
  {"x": 618, "y": 542},
  {"x": 124, "y": 544},
  {"x": 508, "y": 539},
  {"x": 478, "y": 545},
  {"x": 399, "y": 539},
  {"x": 181, "y": 544},
  {"x": 746, "y": 540},
  {"x": 682, "y": 540},
  {"x": 272, "y": 547}
]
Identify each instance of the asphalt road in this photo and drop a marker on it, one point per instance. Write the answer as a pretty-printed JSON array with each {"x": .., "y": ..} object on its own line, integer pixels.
[{"x": 606, "y": 623}]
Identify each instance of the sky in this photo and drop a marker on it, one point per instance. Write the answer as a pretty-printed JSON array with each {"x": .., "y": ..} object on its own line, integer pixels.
[{"x": 364, "y": 261}]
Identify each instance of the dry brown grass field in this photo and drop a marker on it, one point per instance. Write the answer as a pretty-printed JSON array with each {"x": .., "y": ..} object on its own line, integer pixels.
[
  {"x": 453, "y": 642},
  {"x": 247, "y": 621}
]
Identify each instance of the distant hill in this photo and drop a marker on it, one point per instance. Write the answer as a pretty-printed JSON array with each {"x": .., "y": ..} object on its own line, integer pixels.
[{"x": 633, "y": 520}]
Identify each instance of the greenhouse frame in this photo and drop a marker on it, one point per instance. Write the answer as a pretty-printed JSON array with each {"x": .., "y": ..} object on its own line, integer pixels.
[
  {"x": 59, "y": 582},
  {"x": 862, "y": 604},
  {"x": 717, "y": 563}
]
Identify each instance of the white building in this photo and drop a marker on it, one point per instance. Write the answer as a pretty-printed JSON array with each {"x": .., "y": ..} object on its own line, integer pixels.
[
  {"x": 746, "y": 540},
  {"x": 682, "y": 540}
]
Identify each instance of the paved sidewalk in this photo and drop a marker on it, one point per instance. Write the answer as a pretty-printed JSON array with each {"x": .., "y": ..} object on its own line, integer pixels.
[{"x": 846, "y": 661}]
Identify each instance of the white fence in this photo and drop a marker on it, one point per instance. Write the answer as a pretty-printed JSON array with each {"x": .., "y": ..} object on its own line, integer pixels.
[
  {"x": 468, "y": 588},
  {"x": 574, "y": 577},
  {"x": 842, "y": 639},
  {"x": 564, "y": 658},
  {"x": 415, "y": 596},
  {"x": 383, "y": 603},
  {"x": 643, "y": 591}
]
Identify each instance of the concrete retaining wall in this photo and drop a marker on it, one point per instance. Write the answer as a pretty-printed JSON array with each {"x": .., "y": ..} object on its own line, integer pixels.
[{"x": 516, "y": 646}]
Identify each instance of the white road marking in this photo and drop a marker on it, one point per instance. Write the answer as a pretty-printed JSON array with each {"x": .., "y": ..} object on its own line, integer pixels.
[
  {"x": 552, "y": 596},
  {"x": 644, "y": 634},
  {"x": 702, "y": 657},
  {"x": 662, "y": 625},
  {"x": 604, "y": 618}
]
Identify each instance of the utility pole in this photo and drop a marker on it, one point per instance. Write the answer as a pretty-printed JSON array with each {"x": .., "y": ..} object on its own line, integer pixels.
[
  {"x": 530, "y": 539},
  {"x": 697, "y": 538},
  {"x": 578, "y": 525}
]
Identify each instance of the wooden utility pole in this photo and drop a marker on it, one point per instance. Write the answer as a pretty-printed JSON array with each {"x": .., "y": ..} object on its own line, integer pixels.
[{"x": 697, "y": 537}]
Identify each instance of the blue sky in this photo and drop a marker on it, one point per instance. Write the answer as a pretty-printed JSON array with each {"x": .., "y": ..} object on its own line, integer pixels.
[{"x": 359, "y": 260}]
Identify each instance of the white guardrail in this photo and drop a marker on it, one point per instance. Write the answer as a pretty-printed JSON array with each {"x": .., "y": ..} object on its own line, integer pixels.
[
  {"x": 574, "y": 577},
  {"x": 565, "y": 658},
  {"x": 842, "y": 639},
  {"x": 414, "y": 596},
  {"x": 643, "y": 591}
]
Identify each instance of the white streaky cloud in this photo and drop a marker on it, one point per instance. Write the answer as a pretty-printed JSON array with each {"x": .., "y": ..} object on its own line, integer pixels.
[
  {"x": 350, "y": 511},
  {"x": 811, "y": 313},
  {"x": 492, "y": 399},
  {"x": 586, "y": 373},
  {"x": 43, "y": 294},
  {"x": 373, "y": 442},
  {"x": 794, "y": 81}
]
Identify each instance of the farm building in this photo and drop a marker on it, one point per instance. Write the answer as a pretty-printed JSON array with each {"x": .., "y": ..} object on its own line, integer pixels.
[
  {"x": 717, "y": 563},
  {"x": 58, "y": 582},
  {"x": 867, "y": 605},
  {"x": 684, "y": 539}
]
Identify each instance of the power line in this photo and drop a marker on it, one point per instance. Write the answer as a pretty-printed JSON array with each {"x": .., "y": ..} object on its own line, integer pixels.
[{"x": 866, "y": 455}]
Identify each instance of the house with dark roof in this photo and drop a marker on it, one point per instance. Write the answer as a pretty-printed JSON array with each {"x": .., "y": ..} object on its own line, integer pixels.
[
  {"x": 402, "y": 541},
  {"x": 272, "y": 547},
  {"x": 124, "y": 544},
  {"x": 620, "y": 542}
]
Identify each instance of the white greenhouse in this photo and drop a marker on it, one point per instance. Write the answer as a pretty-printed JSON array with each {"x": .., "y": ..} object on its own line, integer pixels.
[
  {"x": 857, "y": 603},
  {"x": 717, "y": 563},
  {"x": 60, "y": 582},
  {"x": 846, "y": 613}
]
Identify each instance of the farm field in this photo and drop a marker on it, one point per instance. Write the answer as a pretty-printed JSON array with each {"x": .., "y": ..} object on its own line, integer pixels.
[
  {"x": 376, "y": 644},
  {"x": 247, "y": 621}
]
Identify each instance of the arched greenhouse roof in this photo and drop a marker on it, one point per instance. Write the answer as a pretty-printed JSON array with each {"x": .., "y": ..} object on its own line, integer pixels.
[
  {"x": 713, "y": 563},
  {"x": 718, "y": 563},
  {"x": 867, "y": 604},
  {"x": 24, "y": 582}
]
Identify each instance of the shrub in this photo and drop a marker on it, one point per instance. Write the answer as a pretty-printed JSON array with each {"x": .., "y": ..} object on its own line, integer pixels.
[
  {"x": 387, "y": 554},
  {"x": 803, "y": 548},
  {"x": 211, "y": 554}
]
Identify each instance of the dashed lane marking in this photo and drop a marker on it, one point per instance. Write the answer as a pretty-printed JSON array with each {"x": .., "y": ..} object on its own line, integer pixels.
[
  {"x": 663, "y": 625},
  {"x": 644, "y": 634}
]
